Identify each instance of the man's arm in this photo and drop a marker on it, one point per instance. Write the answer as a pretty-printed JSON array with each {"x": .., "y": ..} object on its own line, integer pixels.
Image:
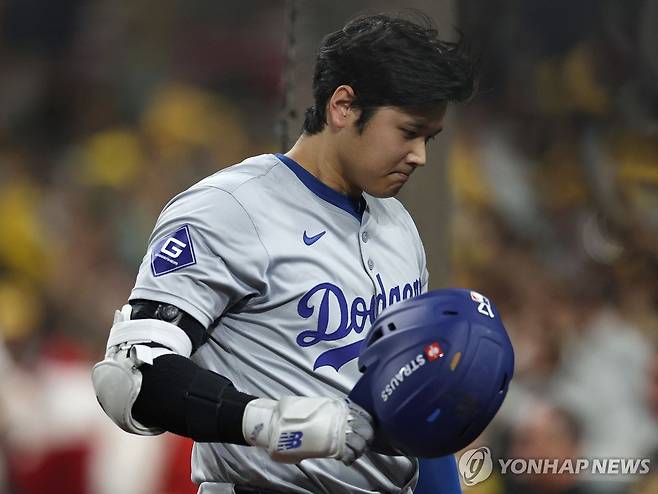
[{"x": 147, "y": 384}]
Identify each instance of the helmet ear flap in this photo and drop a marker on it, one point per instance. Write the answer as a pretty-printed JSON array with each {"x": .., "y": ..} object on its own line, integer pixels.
[
  {"x": 361, "y": 393},
  {"x": 363, "y": 396}
]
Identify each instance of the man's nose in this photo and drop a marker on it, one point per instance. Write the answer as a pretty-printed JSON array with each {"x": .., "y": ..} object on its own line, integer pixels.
[{"x": 418, "y": 155}]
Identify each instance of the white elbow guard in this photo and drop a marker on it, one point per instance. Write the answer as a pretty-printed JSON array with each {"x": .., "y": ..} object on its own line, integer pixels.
[{"x": 117, "y": 379}]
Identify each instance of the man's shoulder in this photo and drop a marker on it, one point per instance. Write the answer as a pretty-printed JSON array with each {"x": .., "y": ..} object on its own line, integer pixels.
[
  {"x": 236, "y": 176},
  {"x": 215, "y": 197}
]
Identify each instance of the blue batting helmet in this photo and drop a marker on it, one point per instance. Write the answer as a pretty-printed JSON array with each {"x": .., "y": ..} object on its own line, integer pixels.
[{"x": 436, "y": 369}]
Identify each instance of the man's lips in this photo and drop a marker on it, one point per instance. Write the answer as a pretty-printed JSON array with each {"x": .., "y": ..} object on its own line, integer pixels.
[{"x": 403, "y": 175}]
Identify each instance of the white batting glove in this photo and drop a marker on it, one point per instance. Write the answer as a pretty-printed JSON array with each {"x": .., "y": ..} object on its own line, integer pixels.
[{"x": 295, "y": 428}]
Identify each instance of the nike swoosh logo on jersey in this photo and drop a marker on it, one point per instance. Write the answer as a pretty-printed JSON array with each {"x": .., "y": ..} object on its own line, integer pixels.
[{"x": 311, "y": 240}]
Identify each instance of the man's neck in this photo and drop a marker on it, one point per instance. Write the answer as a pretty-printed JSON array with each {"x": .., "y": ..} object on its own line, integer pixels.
[{"x": 317, "y": 156}]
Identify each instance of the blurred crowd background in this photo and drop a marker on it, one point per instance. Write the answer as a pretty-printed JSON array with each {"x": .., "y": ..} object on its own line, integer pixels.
[{"x": 543, "y": 194}]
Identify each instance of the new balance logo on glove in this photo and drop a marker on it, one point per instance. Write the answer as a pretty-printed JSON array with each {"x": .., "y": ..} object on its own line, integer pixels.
[{"x": 289, "y": 440}]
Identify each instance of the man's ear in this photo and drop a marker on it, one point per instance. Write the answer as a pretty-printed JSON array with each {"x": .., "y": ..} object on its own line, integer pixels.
[{"x": 340, "y": 113}]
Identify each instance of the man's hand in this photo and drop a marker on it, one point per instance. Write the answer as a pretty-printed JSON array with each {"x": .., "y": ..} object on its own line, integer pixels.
[{"x": 295, "y": 428}]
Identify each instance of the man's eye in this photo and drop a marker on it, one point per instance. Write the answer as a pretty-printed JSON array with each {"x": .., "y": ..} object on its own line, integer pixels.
[{"x": 409, "y": 134}]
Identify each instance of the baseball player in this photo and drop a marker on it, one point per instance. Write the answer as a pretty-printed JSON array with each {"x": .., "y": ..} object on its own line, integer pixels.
[{"x": 261, "y": 281}]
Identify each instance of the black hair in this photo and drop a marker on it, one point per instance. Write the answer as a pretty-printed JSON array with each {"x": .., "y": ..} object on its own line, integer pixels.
[{"x": 390, "y": 61}]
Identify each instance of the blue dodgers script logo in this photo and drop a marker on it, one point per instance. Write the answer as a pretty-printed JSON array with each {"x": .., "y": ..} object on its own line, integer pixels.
[
  {"x": 174, "y": 251},
  {"x": 353, "y": 317},
  {"x": 289, "y": 440}
]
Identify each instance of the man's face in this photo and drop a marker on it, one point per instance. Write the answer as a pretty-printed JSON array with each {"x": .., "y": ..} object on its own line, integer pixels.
[{"x": 393, "y": 143}]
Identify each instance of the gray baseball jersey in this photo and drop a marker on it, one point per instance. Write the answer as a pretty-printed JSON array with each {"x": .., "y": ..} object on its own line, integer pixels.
[{"x": 293, "y": 274}]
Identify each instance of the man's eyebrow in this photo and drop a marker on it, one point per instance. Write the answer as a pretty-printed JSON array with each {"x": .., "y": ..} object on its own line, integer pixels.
[
  {"x": 416, "y": 124},
  {"x": 423, "y": 126}
]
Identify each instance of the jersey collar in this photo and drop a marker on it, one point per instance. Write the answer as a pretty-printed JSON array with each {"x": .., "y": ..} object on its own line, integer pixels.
[{"x": 355, "y": 207}]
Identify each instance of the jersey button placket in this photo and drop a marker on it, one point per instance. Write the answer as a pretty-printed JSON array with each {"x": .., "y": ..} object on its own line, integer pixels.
[{"x": 365, "y": 237}]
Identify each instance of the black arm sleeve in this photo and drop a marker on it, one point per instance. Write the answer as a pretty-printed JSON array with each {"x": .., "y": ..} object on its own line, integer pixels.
[{"x": 179, "y": 396}]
